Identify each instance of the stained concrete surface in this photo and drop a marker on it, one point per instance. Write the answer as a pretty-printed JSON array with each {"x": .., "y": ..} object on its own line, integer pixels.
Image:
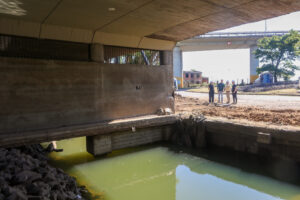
[{"x": 41, "y": 94}]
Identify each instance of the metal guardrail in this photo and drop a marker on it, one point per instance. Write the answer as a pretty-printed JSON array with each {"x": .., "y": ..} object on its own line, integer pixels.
[{"x": 256, "y": 34}]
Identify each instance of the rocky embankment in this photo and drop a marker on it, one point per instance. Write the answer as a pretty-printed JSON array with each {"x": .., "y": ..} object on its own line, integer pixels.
[{"x": 26, "y": 175}]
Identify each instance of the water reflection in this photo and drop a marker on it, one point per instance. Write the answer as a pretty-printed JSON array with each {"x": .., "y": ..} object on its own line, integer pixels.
[
  {"x": 11, "y": 7},
  {"x": 194, "y": 186},
  {"x": 159, "y": 172}
]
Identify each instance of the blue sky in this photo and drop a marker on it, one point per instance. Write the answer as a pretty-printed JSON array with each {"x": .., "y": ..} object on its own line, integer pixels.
[{"x": 234, "y": 64}]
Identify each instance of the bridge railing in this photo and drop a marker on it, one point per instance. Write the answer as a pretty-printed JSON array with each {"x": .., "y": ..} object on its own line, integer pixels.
[{"x": 242, "y": 34}]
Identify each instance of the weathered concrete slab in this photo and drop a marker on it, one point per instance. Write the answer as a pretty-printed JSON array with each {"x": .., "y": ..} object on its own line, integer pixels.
[{"x": 120, "y": 125}]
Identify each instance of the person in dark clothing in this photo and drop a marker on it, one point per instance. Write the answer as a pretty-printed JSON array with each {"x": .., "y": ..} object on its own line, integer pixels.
[
  {"x": 234, "y": 92},
  {"x": 211, "y": 92},
  {"x": 221, "y": 87}
]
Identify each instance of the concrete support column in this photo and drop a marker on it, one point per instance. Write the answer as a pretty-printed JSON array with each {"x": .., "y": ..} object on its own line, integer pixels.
[
  {"x": 177, "y": 65},
  {"x": 97, "y": 52},
  {"x": 166, "y": 58},
  {"x": 254, "y": 63}
]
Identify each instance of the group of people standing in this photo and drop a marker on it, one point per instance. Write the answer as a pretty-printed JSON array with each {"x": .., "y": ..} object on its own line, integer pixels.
[{"x": 221, "y": 87}]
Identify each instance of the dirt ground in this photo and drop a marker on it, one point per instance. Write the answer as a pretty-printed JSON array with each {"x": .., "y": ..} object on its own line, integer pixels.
[{"x": 186, "y": 105}]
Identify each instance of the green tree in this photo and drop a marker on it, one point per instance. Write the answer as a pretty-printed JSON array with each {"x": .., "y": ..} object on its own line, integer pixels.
[{"x": 277, "y": 54}]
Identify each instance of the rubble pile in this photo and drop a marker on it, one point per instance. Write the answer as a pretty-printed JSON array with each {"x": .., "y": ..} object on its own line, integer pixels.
[{"x": 26, "y": 175}]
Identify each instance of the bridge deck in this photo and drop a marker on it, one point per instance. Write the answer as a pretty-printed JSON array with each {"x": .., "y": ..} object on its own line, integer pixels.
[{"x": 32, "y": 137}]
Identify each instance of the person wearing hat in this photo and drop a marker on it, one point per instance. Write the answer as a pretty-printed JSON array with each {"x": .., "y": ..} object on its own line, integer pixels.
[
  {"x": 227, "y": 90},
  {"x": 211, "y": 89},
  {"x": 234, "y": 92},
  {"x": 221, "y": 87}
]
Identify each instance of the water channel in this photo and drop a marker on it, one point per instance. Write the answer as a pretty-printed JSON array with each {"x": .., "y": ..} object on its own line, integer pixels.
[{"x": 164, "y": 172}]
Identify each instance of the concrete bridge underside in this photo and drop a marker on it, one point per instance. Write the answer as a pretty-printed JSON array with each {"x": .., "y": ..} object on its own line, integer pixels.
[
  {"x": 39, "y": 94},
  {"x": 136, "y": 23}
]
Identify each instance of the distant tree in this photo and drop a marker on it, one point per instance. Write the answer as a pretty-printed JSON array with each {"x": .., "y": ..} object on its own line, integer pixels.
[{"x": 277, "y": 54}]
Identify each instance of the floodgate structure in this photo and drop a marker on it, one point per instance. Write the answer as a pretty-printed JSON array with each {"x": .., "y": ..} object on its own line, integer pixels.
[{"x": 103, "y": 69}]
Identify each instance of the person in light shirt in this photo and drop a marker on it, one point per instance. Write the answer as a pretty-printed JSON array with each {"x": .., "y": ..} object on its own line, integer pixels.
[{"x": 227, "y": 90}]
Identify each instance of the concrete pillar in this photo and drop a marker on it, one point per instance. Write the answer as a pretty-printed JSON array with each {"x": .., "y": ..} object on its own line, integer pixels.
[
  {"x": 97, "y": 52},
  {"x": 166, "y": 58},
  {"x": 177, "y": 65},
  {"x": 254, "y": 63}
]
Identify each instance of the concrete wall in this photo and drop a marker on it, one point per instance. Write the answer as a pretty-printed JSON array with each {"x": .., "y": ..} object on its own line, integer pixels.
[
  {"x": 263, "y": 141},
  {"x": 272, "y": 142},
  {"x": 41, "y": 94}
]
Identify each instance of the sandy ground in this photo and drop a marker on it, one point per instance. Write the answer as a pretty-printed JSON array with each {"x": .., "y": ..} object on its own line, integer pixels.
[
  {"x": 279, "y": 110},
  {"x": 261, "y": 101}
]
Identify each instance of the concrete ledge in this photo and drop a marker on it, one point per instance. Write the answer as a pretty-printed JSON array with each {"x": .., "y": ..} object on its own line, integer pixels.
[
  {"x": 22, "y": 138},
  {"x": 254, "y": 138},
  {"x": 265, "y": 141}
]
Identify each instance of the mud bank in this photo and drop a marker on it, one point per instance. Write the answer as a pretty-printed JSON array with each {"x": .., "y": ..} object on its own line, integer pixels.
[{"x": 26, "y": 175}]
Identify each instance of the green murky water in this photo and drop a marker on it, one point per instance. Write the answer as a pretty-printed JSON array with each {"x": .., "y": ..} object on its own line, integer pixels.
[{"x": 162, "y": 173}]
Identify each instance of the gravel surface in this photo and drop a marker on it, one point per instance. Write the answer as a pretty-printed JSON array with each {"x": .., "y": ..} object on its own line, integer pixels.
[
  {"x": 262, "y": 101},
  {"x": 267, "y": 111}
]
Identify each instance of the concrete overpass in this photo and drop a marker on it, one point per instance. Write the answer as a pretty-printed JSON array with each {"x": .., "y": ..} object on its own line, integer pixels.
[
  {"x": 70, "y": 63},
  {"x": 221, "y": 41}
]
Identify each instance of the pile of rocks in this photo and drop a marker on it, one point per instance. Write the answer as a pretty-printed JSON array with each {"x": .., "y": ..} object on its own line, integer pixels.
[{"x": 26, "y": 175}]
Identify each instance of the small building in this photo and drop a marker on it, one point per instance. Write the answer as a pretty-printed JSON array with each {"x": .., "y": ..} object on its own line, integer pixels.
[{"x": 192, "y": 77}]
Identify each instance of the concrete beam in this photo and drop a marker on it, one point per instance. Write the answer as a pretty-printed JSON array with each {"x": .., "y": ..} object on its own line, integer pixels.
[
  {"x": 166, "y": 58},
  {"x": 92, "y": 129},
  {"x": 216, "y": 44},
  {"x": 97, "y": 53}
]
